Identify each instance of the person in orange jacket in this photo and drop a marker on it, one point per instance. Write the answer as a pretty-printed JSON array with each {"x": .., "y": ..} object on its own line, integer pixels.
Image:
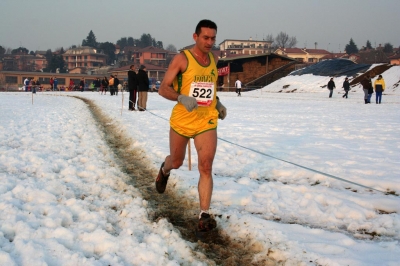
[{"x": 379, "y": 86}]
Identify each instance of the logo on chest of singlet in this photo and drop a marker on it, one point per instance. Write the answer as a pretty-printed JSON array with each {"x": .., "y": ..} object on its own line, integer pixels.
[{"x": 203, "y": 78}]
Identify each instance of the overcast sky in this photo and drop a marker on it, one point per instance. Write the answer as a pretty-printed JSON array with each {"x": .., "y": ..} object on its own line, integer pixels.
[{"x": 51, "y": 24}]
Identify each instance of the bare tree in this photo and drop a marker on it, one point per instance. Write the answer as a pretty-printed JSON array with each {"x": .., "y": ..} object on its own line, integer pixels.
[
  {"x": 171, "y": 48},
  {"x": 270, "y": 38},
  {"x": 283, "y": 40}
]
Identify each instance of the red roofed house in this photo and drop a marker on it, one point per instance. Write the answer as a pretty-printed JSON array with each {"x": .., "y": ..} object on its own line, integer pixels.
[
  {"x": 151, "y": 55},
  {"x": 395, "y": 59}
]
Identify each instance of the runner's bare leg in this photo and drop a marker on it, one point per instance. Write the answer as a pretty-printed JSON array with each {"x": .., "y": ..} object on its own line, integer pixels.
[
  {"x": 206, "y": 146},
  {"x": 177, "y": 149}
]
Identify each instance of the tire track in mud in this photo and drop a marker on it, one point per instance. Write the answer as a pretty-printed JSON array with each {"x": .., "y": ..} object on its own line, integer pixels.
[{"x": 180, "y": 211}]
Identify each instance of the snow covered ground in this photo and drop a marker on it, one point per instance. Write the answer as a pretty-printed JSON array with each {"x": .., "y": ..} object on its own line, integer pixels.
[{"x": 64, "y": 200}]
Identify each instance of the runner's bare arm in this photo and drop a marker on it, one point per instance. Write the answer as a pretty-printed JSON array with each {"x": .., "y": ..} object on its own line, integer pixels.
[{"x": 178, "y": 64}]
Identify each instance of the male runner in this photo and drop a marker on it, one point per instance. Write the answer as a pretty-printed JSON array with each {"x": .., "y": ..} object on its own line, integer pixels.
[{"x": 191, "y": 80}]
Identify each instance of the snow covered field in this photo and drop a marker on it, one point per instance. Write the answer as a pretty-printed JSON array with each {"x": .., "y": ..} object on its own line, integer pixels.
[{"x": 64, "y": 201}]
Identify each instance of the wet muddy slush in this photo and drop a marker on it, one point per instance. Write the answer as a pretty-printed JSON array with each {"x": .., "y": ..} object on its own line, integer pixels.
[{"x": 179, "y": 211}]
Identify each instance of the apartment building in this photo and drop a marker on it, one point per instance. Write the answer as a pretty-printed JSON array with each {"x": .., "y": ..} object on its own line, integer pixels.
[
  {"x": 84, "y": 56},
  {"x": 244, "y": 47}
]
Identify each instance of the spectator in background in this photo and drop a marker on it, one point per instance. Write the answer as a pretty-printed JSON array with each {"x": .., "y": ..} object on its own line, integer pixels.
[
  {"x": 97, "y": 84},
  {"x": 82, "y": 84},
  {"x": 379, "y": 85},
  {"x": 52, "y": 83},
  {"x": 38, "y": 85},
  {"x": 132, "y": 86},
  {"x": 26, "y": 84},
  {"x": 116, "y": 84},
  {"x": 331, "y": 86},
  {"x": 111, "y": 85},
  {"x": 346, "y": 87},
  {"x": 370, "y": 90},
  {"x": 366, "y": 84},
  {"x": 238, "y": 86},
  {"x": 104, "y": 85},
  {"x": 33, "y": 86},
  {"x": 71, "y": 85},
  {"x": 55, "y": 83},
  {"x": 143, "y": 88}
]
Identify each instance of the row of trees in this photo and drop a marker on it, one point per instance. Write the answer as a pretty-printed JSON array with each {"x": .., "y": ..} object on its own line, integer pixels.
[
  {"x": 351, "y": 47},
  {"x": 109, "y": 48},
  {"x": 55, "y": 61}
]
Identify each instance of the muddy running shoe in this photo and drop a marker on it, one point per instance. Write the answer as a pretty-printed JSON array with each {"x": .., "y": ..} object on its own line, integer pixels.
[
  {"x": 206, "y": 223},
  {"x": 161, "y": 181}
]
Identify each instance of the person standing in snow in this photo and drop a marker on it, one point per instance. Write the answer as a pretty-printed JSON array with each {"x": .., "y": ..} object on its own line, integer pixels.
[
  {"x": 379, "y": 86},
  {"x": 52, "y": 83},
  {"x": 367, "y": 85},
  {"x": 117, "y": 85},
  {"x": 331, "y": 86},
  {"x": 346, "y": 87},
  {"x": 111, "y": 85},
  {"x": 55, "y": 84},
  {"x": 132, "y": 86},
  {"x": 238, "y": 85},
  {"x": 82, "y": 84},
  {"x": 191, "y": 81},
  {"x": 26, "y": 84},
  {"x": 143, "y": 88},
  {"x": 33, "y": 86},
  {"x": 104, "y": 85}
]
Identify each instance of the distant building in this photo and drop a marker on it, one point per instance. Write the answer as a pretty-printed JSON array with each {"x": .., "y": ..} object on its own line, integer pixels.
[
  {"x": 395, "y": 59},
  {"x": 304, "y": 55},
  {"x": 150, "y": 55},
  {"x": 84, "y": 56},
  {"x": 244, "y": 47},
  {"x": 254, "y": 71},
  {"x": 24, "y": 62},
  {"x": 12, "y": 80},
  {"x": 371, "y": 56}
]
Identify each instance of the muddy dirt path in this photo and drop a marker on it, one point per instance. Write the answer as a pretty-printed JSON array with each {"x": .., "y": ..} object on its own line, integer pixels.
[{"x": 179, "y": 211}]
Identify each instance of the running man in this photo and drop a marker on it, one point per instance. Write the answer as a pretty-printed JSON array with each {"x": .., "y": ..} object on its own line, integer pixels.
[{"x": 191, "y": 80}]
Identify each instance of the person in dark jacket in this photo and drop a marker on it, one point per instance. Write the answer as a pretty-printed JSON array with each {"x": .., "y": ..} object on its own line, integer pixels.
[
  {"x": 132, "y": 86},
  {"x": 370, "y": 90},
  {"x": 367, "y": 85},
  {"x": 82, "y": 84},
  {"x": 104, "y": 85},
  {"x": 346, "y": 87},
  {"x": 97, "y": 84},
  {"x": 331, "y": 86},
  {"x": 116, "y": 84},
  {"x": 143, "y": 87}
]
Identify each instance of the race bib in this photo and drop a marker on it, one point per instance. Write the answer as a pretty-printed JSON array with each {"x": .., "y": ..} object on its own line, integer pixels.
[{"x": 203, "y": 92}]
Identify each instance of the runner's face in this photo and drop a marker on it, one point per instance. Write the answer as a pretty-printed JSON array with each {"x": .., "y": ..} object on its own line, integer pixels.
[{"x": 206, "y": 39}]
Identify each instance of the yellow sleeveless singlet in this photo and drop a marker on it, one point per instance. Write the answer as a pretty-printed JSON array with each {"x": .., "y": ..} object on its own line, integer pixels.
[{"x": 201, "y": 79}]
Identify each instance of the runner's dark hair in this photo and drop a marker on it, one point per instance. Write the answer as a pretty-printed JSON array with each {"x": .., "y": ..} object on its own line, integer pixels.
[{"x": 205, "y": 23}]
